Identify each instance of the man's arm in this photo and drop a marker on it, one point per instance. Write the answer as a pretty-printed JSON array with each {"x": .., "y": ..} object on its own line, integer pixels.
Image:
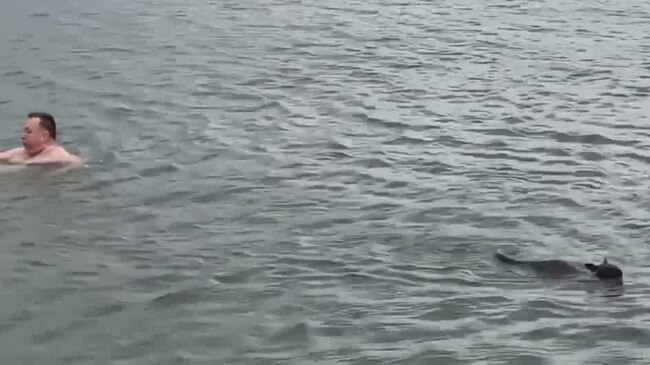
[{"x": 9, "y": 154}]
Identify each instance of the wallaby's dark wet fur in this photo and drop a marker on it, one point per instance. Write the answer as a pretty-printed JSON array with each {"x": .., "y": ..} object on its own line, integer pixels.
[{"x": 604, "y": 270}]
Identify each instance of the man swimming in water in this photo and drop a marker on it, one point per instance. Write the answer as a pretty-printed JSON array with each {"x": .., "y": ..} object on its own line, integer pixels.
[{"x": 39, "y": 145}]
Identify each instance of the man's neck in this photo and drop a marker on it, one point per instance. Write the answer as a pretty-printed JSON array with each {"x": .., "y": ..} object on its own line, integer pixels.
[{"x": 43, "y": 148}]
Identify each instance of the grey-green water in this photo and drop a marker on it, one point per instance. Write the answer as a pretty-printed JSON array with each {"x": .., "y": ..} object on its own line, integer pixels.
[{"x": 308, "y": 182}]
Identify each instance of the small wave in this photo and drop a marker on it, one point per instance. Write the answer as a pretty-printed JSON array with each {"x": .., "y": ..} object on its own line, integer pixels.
[
  {"x": 372, "y": 163},
  {"x": 396, "y": 184},
  {"x": 635, "y": 156},
  {"x": 378, "y": 121},
  {"x": 165, "y": 197},
  {"x": 334, "y": 145},
  {"x": 240, "y": 276},
  {"x": 159, "y": 170},
  {"x": 190, "y": 296},
  {"x": 497, "y": 132},
  {"x": 587, "y": 139},
  {"x": 294, "y": 334},
  {"x": 500, "y": 156},
  {"x": 406, "y": 140}
]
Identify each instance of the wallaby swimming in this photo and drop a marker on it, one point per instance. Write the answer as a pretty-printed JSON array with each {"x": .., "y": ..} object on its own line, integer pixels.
[{"x": 557, "y": 268}]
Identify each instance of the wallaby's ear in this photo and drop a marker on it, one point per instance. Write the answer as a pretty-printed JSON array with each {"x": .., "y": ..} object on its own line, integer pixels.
[
  {"x": 605, "y": 260},
  {"x": 591, "y": 267}
]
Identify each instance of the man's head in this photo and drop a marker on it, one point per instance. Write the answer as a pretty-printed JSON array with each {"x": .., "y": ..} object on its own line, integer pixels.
[{"x": 39, "y": 131}]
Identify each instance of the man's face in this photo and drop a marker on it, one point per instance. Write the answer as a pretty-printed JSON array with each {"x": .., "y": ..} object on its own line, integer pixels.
[{"x": 33, "y": 135}]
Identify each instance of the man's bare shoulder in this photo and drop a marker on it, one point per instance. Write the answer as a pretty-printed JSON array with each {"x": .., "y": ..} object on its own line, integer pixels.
[
  {"x": 55, "y": 155},
  {"x": 63, "y": 155}
]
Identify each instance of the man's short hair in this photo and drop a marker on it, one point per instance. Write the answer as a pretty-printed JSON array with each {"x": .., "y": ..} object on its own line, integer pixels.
[{"x": 46, "y": 121}]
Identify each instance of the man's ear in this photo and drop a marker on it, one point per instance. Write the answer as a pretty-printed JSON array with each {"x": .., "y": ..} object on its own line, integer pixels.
[{"x": 591, "y": 267}]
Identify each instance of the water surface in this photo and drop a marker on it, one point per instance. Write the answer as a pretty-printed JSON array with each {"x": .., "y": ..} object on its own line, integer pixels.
[{"x": 301, "y": 182}]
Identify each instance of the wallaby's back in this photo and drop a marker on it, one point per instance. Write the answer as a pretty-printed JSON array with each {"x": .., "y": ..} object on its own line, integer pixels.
[{"x": 546, "y": 267}]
